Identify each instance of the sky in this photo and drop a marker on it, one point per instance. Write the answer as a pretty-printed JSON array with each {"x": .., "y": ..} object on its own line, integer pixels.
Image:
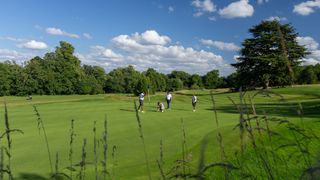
[{"x": 195, "y": 36}]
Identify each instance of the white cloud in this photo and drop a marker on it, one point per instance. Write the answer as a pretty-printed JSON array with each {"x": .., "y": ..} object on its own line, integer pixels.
[
  {"x": 13, "y": 39},
  {"x": 55, "y": 31},
  {"x": 197, "y": 14},
  {"x": 170, "y": 9},
  {"x": 306, "y": 8},
  {"x": 149, "y": 37},
  {"x": 133, "y": 49},
  {"x": 239, "y": 9},
  {"x": 59, "y": 32},
  {"x": 152, "y": 37},
  {"x": 316, "y": 54},
  {"x": 7, "y": 54},
  {"x": 310, "y": 61},
  {"x": 106, "y": 54},
  {"x": 25, "y": 43},
  {"x": 308, "y": 42},
  {"x": 313, "y": 47},
  {"x": 262, "y": 1},
  {"x": 212, "y": 18},
  {"x": 203, "y": 6},
  {"x": 313, "y": 58},
  {"x": 87, "y": 35},
  {"x": 35, "y": 45},
  {"x": 276, "y": 18},
  {"x": 220, "y": 45}
]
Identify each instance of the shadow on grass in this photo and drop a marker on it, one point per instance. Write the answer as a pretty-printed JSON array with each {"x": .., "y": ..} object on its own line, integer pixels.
[
  {"x": 30, "y": 176},
  {"x": 309, "y": 109},
  {"x": 180, "y": 109},
  {"x": 204, "y": 94},
  {"x": 129, "y": 110}
]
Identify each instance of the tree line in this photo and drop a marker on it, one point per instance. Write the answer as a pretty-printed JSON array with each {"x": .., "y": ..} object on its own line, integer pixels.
[
  {"x": 308, "y": 74},
  {"x": 271, "y": 57},
  {"x": 61, "y": 73}
]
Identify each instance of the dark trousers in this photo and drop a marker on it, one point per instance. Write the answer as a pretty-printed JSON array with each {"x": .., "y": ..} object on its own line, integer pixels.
[
  {"x": 194, "y": 105},
  {"x": 168, "y": 103},
  {"x": 140, "y": 105}
]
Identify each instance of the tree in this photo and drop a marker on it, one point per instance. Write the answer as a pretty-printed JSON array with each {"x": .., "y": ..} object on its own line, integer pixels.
[
  {"x": 307, "y": 76},
  {"x": 18, "y": 79},
  {"x": 36, "y": 76},
  {"x": 233, "y": 81},
  {"x": 95, "y": 71},
  {"x": 195, "y": 81},
  {"x": 93, "y": 81},
  {"x": 212, "y": 80},
  {"x": 317, "y": 71},
  {"x": 174, "y": 84},
  {"x": 114, "y": 81},
  {"x": 142, "y": 85},
  {"x": 123, "y": 80},
  {"x": 158, "y": 80},
  {"x": 183, "y": 76},
  {"x": 68, "y": 72},
  {"x": 89, "y": 85},
  {"x": 270, "y": 56},
  {"x": 4, "y": 79}
]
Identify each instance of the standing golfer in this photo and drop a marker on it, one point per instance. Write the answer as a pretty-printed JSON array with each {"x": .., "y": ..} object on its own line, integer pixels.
[
  {"x": 194, "y": 102},
  {"x": 141, "y": 98},
  {"x": 168, "y": 98}
]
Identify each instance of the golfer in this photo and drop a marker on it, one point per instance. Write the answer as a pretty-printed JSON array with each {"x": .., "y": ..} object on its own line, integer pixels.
[
  {"x": 194, "y": 102},
  {"x": 168, "y": 98},
  {"x": 160, "y": 107},
  {"x": 141, "y": 99}
]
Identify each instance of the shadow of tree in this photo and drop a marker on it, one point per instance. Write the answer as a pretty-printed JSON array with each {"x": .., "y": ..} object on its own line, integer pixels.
[
  {"x": 129, "y": 110},
  {"x": 30, "y": 176},
  {"x": 289, "y": 109},
  {"x": 203, "y": 94}
]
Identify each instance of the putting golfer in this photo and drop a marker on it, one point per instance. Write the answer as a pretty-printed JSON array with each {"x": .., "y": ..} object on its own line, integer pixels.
[{"x": 160, "y": 107}]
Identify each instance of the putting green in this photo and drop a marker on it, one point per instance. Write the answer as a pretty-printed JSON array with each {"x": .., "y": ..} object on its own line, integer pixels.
[{"x": 29, "y": 153}]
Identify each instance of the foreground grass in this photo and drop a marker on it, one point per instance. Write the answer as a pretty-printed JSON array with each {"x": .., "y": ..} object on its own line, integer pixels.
[{"x": 29, "y": 153}]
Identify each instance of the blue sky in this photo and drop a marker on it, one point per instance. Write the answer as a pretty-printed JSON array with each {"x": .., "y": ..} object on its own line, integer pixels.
[{"x": 190, "y": 35}]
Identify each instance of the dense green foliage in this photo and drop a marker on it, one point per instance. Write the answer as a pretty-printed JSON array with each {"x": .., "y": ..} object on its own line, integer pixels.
[
  {"x": 58, "y": 72},
  {"x": 270, "y": 57},
  {"x": 308, "y": 74},
  {"x": 61, "y": 73}
]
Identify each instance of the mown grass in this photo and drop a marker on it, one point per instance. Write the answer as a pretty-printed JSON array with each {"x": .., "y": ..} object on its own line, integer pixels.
[{"x": 30, "y": 157}]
